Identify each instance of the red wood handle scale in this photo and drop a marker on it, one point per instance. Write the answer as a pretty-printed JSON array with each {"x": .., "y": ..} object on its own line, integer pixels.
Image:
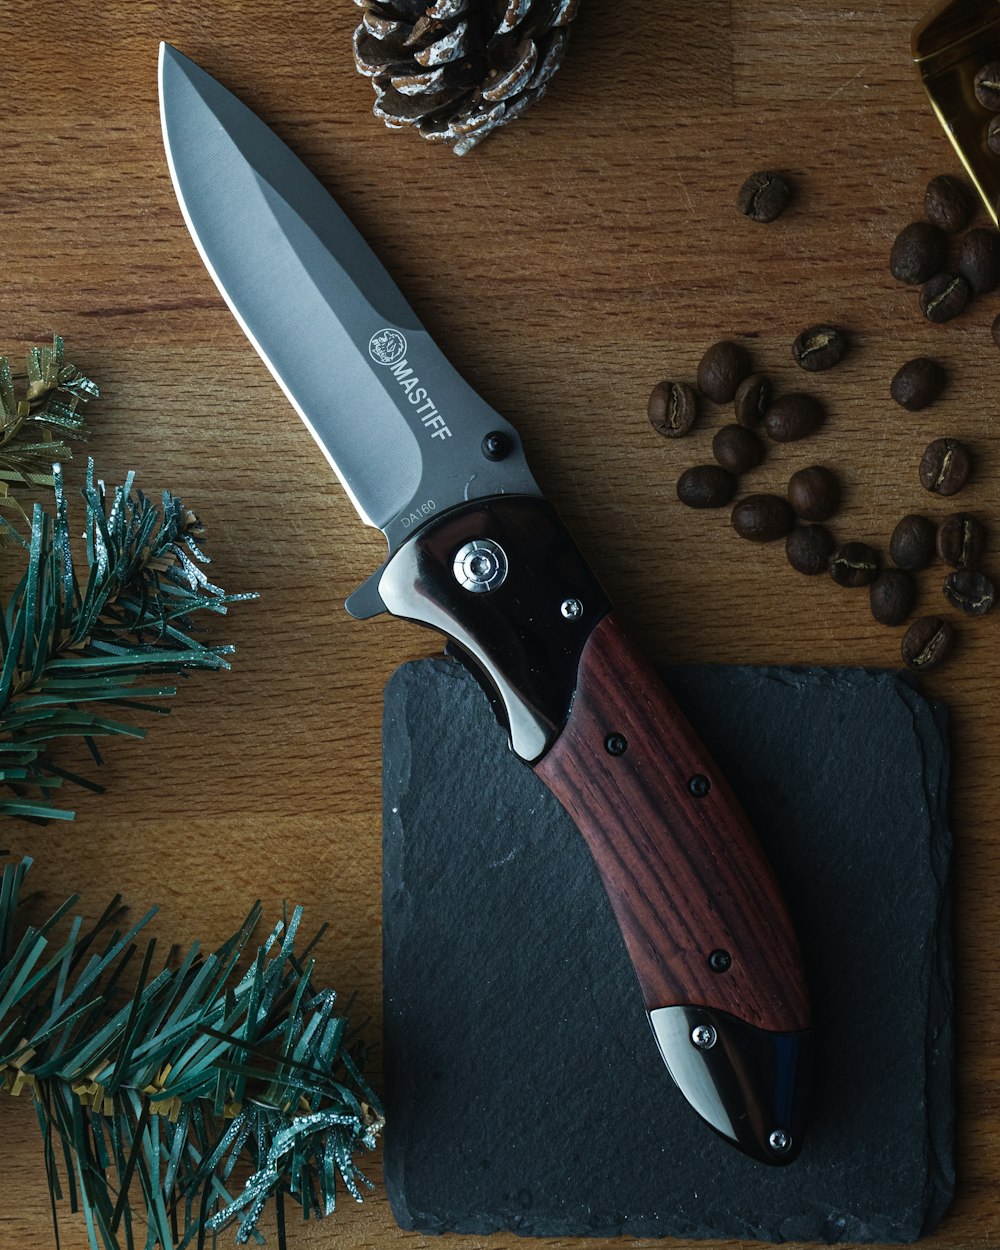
[{"x": 684, "y": 872}]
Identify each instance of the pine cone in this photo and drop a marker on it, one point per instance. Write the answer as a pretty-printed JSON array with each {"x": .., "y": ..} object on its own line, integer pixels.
[{"x": 457, "y": 69}]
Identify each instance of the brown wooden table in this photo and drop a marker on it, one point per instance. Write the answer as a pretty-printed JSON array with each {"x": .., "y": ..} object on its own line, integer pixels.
[{"x": 580, "y": 256}]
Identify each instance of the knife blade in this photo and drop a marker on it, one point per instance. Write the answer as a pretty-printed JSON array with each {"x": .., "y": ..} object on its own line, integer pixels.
[{"x": 476, "y": 552}]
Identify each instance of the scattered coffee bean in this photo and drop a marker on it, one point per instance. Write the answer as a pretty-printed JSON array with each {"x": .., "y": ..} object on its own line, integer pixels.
[
  {"x": 672, "y": 409},
  {"x": 814, "y": 493},
  {"x": 912, "y": 543},
  {"x": 762, "y": 518},
  {"x": 918, "y": 253},
  {"x": 705, "y": 486},
  {"x": 993, "y": 135},
  {"x": 987, "y": 85},
  {"x": 753, "y": 397},
  {"x": 960, "y": 540},
  {"x": 809, "y": 548},
  {"x": 945, "y": 466},
  {"x": 819, "y": 347},
  {"x": 944, "y": 297},
  {"x": 793, "y": 416},
  {"x": 972, "y": 593},
  {"x": 737, "y": 449},
  {"x": 947, "y": 204},
  {"x": 854, "y": 564},
  {"x": 723, "y": 367},
  {"x": 917, "y": 383},
  {"x": 926, "y": 642},
  {"x": 764, "y": 196},
  {"x": 892, "y": 595},
  {"x": 979, "y": 260}
]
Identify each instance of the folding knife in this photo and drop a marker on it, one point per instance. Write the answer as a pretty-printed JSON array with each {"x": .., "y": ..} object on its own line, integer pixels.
[{"x": 476, "y": 552}]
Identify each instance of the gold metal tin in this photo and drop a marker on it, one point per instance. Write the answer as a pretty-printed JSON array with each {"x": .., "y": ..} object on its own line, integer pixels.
[{"x": 950, "y": 45}]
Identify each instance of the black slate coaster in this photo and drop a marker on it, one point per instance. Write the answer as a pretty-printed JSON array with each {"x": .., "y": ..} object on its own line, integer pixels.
[{"x": 523, "y": 1088}]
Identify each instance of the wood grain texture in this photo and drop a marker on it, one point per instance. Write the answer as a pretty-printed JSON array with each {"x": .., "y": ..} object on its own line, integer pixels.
[
  {"x": 685, "y": 874},
  {"x": 571, "y": 263}
]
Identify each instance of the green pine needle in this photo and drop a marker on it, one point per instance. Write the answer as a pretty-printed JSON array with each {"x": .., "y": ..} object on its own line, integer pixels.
[
  {"x": 75, "y": 653},
  {"x": 168, "y": 1088}
]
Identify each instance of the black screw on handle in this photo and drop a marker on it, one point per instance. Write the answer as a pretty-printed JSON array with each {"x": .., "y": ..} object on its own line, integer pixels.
[{"x": 720, "y": 961}]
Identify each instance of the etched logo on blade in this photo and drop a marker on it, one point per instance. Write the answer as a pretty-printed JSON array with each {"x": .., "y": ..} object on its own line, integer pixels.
[{"x": 386, "y": 347}]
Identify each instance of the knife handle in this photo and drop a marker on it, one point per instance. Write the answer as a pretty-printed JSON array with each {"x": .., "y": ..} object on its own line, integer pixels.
[
  {"x": 700, "y": 911},
  {"x": 695, "y": 899}
]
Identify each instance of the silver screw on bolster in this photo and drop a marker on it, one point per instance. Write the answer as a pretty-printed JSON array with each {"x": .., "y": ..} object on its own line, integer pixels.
[
  {"x": 571, "y": 609},
  {"x": 480, "y": 566},
  {"x": 703, "y": 1036}
]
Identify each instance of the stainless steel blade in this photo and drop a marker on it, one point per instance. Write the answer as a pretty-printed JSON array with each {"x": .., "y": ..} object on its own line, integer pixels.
[{"x": 402, "y": 430}]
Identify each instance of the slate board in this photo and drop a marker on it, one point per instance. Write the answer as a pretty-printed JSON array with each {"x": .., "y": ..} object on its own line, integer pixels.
[{"x": 523, "y": 1088}]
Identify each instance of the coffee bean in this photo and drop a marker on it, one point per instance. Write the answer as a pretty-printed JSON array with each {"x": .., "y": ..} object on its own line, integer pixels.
[
  {"x": 917, "y": 383},
  {"x": 809, "y": 548},
  {"x": 819, "y": 347},
  {"x": 892, "y": 595},
  {"x": 947, "y": 204},
  {"x": 764, "y": 196},
  {"x": 945, "y": 466},
  {"x": 737, "y": 449},
  {"x": 672, "y": 408},
  {"x": 979, "y": 260},
  {"x": 723, "y": 367},
  {"x": 944, "y": 297},
  {"x": 762, "y": 518},
  {"x": 987, "y": 85},
  {"x": 993, "y": 135},
  {"x": 926, "y": 642},
  {"x": 918, "y": 253},
  {"x": 753, "y": 397},
  {"x": 793, "y": 416},
  {"x": 854, "y": 564},
  {"x": 912, "y": 543},
  {"x": 972, "y": 593},
  {"x": 705, "y": 486},
  {"x": 960, "y": 540},
  {"x": 814, "y": 493}
]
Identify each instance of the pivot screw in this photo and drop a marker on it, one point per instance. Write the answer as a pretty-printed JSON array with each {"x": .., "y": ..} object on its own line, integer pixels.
[
  {"x": 480, "y": 566},
  {"x": 779, "y": 1141},
  {"x": 720, "y": 961},
  {"x": 615, "y": 744},
  {"x": 571, "y": 609},
  {"x": 496, "y": 445},
  {"x": 704, "y": 1037},
  {"x": 699, "y": 785}
]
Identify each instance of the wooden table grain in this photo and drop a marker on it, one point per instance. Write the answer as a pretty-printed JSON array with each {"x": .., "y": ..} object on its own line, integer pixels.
[{"x": 579, "y": 257}]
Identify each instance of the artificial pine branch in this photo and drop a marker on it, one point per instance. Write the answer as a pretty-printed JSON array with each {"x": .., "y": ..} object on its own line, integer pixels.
[
  {"x": 171, "y": 1086},
  {"x": 39, "y": 411},
  {"x": 72, "y": 650},
  {"x": 200, "y": 1068}
]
